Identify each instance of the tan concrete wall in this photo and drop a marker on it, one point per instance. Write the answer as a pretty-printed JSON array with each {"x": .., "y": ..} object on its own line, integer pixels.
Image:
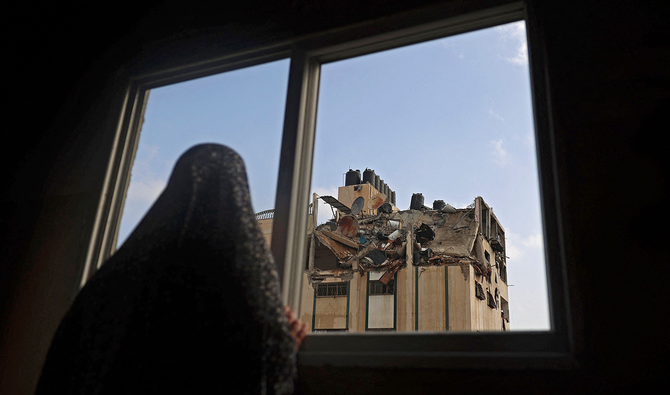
[
  {"x": 357, "y": 303},
  {"x": 459, "y": 299},
  {"x": 405, "y": 300},
  {"x": 466, "y": 312},
  {"x": 266, "y": 230},
  {"x": 431, "y": 300},
  {"x": 504, "y": 291},
  {"x": 306, "y": 302},
  {"x": 485, "y": 318},
  {"x": 347, "y": 195},
  {"x": 478, "y": 308}
]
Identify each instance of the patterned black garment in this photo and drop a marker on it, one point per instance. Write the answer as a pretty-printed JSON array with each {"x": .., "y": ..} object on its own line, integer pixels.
[{"x": 189, "y": 304}]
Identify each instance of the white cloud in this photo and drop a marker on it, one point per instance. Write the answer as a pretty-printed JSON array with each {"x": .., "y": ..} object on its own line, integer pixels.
[
  {"x": 500, "y": 155},
  {"x": 525, "y": 271},
  {"x": 519, "y": 246},
  {"x": 457, "y": 52},
  {"x": 533, "y": 241},
  {"x": 521, "y": 57},
  {"x": 515, "y": 32},
  {"x": 496, "y": 115}
]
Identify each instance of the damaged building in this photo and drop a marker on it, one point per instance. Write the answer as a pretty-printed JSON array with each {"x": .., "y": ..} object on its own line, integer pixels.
[{"x": 373, "y": 267}]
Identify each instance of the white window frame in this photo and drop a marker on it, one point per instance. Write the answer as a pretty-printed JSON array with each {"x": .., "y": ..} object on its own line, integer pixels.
[{"x": 552, "y": 349}]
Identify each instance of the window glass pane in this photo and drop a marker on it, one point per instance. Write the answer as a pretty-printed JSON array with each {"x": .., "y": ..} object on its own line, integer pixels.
[
  {"x": 242, "y": 109},
  {"x": 450, "y": 119}
]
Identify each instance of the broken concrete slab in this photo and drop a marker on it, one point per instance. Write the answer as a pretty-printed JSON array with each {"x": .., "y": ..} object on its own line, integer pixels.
[{"x": 342, "y": 251}]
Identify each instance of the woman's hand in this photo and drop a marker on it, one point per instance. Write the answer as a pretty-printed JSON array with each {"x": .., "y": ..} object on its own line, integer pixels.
[{"x": 298, "y": 329}]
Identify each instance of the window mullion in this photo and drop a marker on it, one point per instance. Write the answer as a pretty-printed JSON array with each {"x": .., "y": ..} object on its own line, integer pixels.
[
  {"x": 295, "y": 173},
  {"x": 103, "y": 239}
]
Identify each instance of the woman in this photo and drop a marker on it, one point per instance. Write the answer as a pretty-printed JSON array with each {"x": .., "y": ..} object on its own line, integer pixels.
[{"x": 190, "y": 302}]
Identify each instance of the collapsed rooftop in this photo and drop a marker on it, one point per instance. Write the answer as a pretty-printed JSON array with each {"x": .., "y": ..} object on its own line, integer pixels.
[{"x": 371, "y": 234}]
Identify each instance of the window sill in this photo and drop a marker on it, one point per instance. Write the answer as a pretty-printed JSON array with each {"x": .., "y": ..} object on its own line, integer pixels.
[{"x": 462, "y": 350}]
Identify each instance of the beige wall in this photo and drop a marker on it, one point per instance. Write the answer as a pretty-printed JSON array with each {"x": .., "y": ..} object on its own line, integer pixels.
[
  {"x": 460, "y": 296},
  {"x": 431, "y": 299},
  {"x": 357, "y": 303},
  {"x": 348, "y": 194},
  {"x": 405, "y": 299},
  {"x": 466, "y": 312},
  {"x": 266, "y": 230},
  {"x": 306, "y": 301},
  {"x": 484, "y": 317}
]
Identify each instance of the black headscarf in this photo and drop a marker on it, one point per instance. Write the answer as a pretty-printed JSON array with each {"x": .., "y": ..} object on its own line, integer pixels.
[{"x": 190, "y": 303}]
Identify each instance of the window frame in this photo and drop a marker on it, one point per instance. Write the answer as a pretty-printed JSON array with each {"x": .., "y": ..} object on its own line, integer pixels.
[
  {"x": 104, "y": 236},
  {"x": 378, "y": 288},
  {"x": 340, "y": 289},
  {"x": 552, "y": 349}
]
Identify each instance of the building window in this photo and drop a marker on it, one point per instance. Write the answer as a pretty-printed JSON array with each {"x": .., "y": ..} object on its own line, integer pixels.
[
  {"x": 491, "y": 302},
  {"x": 479, "y": 291},
  {"x": 376, "y": 287},
  {"x": 504, "y": 309},
  {"x": 381, "y": 303},
  {"x": 331, "y": 290},
  {"x": 247, "y": 119}
]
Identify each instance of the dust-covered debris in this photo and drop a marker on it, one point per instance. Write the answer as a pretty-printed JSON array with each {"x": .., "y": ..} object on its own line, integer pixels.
[{"x": 387, "y": 239}]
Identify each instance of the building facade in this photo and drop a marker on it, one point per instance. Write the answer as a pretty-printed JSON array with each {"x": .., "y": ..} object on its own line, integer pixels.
[{"x": 374, "y": 267}]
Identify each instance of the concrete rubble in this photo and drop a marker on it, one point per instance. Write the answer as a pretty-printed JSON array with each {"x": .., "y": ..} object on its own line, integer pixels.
[{"x": 392, "y": 240}]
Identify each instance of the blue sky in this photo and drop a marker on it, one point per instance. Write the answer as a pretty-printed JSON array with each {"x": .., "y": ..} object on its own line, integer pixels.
[{"x": 450, "y": 118}]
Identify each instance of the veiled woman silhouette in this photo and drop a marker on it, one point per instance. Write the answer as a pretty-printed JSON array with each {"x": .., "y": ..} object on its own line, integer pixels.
[{"x": 189, "y": 304}]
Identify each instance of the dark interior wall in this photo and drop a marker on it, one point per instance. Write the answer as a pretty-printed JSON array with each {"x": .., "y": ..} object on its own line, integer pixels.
[{"x": 608, "y": 66}]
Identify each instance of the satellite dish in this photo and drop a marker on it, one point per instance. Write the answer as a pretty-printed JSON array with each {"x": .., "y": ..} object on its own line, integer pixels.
[
  {"x": 348, "y": 226},
  {"x": 358, "y": 205},
  {"x": 376, "y": 201}
]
